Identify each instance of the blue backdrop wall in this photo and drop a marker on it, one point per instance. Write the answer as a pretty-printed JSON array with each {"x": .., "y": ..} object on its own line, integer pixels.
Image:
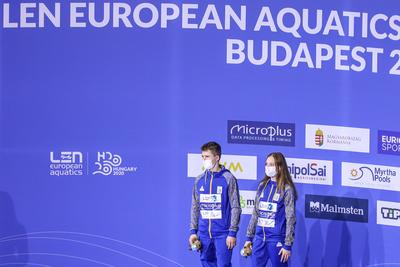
[{"x": 98, "y": 124}]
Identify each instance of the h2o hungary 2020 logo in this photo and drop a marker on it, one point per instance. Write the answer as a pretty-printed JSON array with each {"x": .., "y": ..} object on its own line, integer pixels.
[{"x": 110, "y": 164}]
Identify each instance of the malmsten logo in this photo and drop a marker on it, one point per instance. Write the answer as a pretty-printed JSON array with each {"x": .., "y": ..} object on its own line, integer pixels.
[{"x": 336, "y": 208}]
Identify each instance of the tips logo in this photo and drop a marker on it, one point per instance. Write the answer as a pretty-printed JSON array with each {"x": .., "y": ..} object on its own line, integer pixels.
[
  {"x": 389, "y": 213},
  {"x": 319, "y": 137},
  {"x": 314, "y": 206}
]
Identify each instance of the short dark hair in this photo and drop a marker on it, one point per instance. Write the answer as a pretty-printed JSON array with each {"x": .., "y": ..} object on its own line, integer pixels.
[{"x": 214, "y": 147}]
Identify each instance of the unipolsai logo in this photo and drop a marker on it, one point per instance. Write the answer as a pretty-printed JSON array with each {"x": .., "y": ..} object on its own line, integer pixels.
[
  {"x": 66, "y": 163},
  {"x": 319, "y": 137},
  {"x": 310, "y": 171},
  {"x": 314, "y": 206},
  {"x": 110, "y": 164}
]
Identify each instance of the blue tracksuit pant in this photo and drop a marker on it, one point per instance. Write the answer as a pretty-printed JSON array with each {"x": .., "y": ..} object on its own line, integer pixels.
[
  {"x": 214, "y": 252},
  {"x": 265, "y": 250}
]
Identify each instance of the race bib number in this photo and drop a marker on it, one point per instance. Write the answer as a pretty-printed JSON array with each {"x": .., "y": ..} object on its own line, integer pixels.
[
  {"x": 267, "y": 206},
  {"x": 210, "y": 198},
  {"x": 210, "y": 206},
  {"x": 263, "y": 222},
  {"x": 211, "y": 214}
]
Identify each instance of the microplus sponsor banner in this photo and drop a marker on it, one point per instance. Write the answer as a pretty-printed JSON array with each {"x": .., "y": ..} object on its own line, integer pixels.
[
  {"x": 388, "y": 213},
  {"x": 336, "y": 208},
  {"x": 389, "y": 142},
  {"x": 310, "y": 171},
  {"x": 337, "y": 138},
  {"x": 261, "y": 133},
  {"x": 242, "y": 167},
  {"x": 370, "y": 176}
]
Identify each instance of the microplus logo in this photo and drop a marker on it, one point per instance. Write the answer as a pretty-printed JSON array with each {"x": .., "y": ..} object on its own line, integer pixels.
[
  {"x": 261, "y": 133},
  {"x": 66, "y": 163},
  {"x": 310, "y": 171},
  {"x": 336, "y": 208},
  {"x": 371, "y": 176},
  {"x": 389, "y": 142}
]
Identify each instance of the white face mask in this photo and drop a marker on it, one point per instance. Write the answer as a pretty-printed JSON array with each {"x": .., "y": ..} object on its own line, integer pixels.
[
  {"x": 270, "y": 171},
  {"x": 207, "y": 164}
]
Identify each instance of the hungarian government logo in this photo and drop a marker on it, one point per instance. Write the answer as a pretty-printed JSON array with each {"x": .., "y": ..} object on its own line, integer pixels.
[{"x": 319, "y": 137}]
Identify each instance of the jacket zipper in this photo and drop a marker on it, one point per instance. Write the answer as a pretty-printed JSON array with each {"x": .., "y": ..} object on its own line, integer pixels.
[{"x": 209, "y": 220}]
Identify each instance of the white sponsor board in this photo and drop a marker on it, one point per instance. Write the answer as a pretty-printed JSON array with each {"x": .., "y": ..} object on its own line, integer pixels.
[
  {"x": 388, "y": 213},
  {"x": 337, "y": 138},
  {"x": 247, "y": 201},
  {"x": 370, "y": 176},
  {"x": 310, "y": 171}
]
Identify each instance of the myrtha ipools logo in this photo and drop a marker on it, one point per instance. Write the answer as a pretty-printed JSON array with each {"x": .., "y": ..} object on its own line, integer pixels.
[
  {"x": 110, "y": 164},
  {"x": 319, "y": 137},
  {"x": 66, "y": 163},
  {"x": 261, "y": 133},
  {"x": 371, "y": 176}
]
